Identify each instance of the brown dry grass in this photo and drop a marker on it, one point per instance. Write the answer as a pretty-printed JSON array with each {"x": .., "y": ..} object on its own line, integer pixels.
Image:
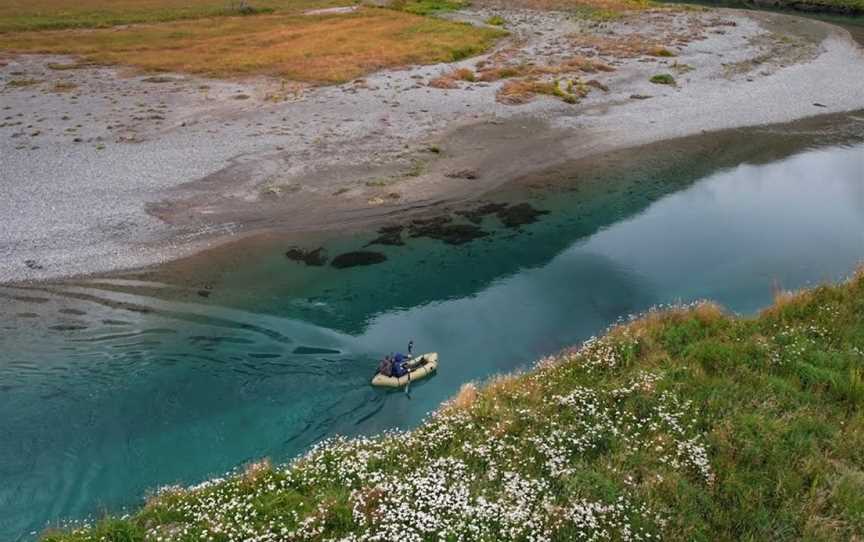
[
  {"x": 496, "y": 73},
  {"x": 449, "y": 80},
  {"x": 444, "y": 82},
  {"x": 325, "y": 49},
  {"x": 518, "y": 91},
  {"x": 256, "y": 468},
  {"x": 466, "y": 396},
  {"x": 464, "y": 74},
  {"x": 522, "y": 91},
  {"x": 786, "y": 298}
]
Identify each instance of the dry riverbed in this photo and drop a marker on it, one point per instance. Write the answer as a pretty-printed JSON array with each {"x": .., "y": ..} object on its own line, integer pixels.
[{"x": 102, "y": 168}]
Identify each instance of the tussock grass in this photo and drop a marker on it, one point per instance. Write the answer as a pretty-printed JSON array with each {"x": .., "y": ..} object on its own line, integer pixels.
[
  {"x": 660, "y": 51},
  {"x": 450, "y": 80},
  {"x": 64, "y": 86},
  {"x": 20, "y": 83},
  {"x": 663, "y": 79},
  {"x": 318, "y": 49},
  {"x": 524, "y": 90},
  {"x": 686, "y": 424}
]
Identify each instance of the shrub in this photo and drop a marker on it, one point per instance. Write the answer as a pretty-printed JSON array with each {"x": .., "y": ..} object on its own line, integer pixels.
[{"x": 663, "y": 79}]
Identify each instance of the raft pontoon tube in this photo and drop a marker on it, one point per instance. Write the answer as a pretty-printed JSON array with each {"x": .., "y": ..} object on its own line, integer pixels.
[{"x": 420, "y": 367}]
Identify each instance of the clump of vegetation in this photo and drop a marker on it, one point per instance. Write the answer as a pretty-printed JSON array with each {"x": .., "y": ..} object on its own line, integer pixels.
[
  {"x": 663, "y": 79},
  {"x": 449, "y": 80},
  {"x": 686, "y": 424},
  {"x": 494, "y": 73},
  {"x": 681, "y": 68},
  {"x": 380, "y": 182},
  {"x": 524, "y": 90},
  {"x": 64, "y": 86},
  {"x": 428, "y": 7},
  {"x": 464, "y": 74},
  {"x": 19, "y": 83},
  {"x": 496, "y": 20},
  {"x": 660, "y": 51},
  {"x": 587, "y": 65},
  {"x": 417, "y": 168},
  {"x": 443, "y": 82}
]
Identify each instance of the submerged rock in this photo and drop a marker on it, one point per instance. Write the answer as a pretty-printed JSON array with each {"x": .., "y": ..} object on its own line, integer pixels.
[
  {"x": 389, "y": 235},
  {"x": 442, "y": 229},
  {"x": 519, "y": 215},
  {"x": 314, "y": 258},
  {"x": 357, "y": 258},
  {"x": 476, "y": 215},
  {"x": 512, "y": 216}
]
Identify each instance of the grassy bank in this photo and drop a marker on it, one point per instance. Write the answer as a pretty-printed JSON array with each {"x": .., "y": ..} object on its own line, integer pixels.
[
  {"x": 213, "y": 38},
  {"x": 687, "y": 424},
  {"x": 318, "y": 49}
]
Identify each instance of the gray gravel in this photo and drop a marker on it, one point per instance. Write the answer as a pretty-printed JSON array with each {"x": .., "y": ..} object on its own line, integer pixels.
[{"x": 80, "y": 169}]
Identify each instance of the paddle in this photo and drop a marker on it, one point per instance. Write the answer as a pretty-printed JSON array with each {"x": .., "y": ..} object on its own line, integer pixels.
[{"x": 408, "y": 385}]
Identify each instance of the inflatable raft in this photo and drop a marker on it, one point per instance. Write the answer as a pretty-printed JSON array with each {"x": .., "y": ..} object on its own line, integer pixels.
[{"x": 419, "y": 367}]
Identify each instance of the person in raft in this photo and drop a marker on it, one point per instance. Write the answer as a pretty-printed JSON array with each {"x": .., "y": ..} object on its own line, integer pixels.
[
  {"x": 410, "y": 349},
  {"x": 399, "y": 368},
  {"x": 386, "y": 366}
]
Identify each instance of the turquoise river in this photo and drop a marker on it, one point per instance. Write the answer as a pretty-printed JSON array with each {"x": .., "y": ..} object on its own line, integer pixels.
[{"x": 113, "y": 386}]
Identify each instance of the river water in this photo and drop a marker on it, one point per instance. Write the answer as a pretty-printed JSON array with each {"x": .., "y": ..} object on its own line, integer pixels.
[{"x": 113, "y": 386}]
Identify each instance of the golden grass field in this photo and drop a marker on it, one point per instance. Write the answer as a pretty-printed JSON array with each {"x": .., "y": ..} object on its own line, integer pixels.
[
  {"x": 201, "y": 37},
  {"x": 321, "y": 49}
]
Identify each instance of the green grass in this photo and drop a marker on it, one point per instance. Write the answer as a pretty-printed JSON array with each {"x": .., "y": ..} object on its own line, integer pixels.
[
  {"x": 496, "y": 20},
  {"x": 663, "y": 79},
  {"x": 428, "y": 7},
  {"x": 687, "y": 424}
]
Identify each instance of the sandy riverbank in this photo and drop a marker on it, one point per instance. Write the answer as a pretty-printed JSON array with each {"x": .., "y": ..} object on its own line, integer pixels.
[{"x": 128, "y": 171}]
